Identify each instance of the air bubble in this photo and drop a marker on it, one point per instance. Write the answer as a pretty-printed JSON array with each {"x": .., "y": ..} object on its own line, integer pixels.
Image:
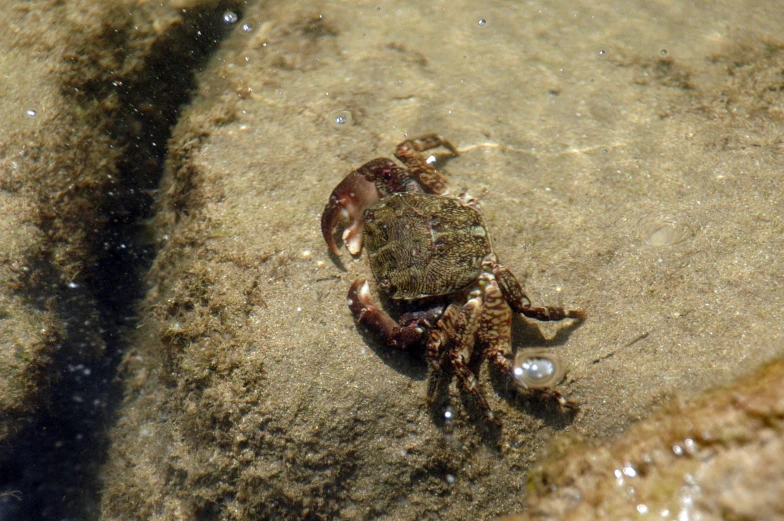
[
  {"x": 450, "y": 479},
  {"x": 247, "y": 28},
  {"x": 482, "y": 21},
  {"x": 663, "y": 52},
  {"x": 537, "y": 369},
  {"x": 449, "y": 413},
  {"x": 230, "y": 17},
  {"x": 341, "y": 119},
  {"x": 32, "y": 113},
  {"x": 602, "y": 52}
]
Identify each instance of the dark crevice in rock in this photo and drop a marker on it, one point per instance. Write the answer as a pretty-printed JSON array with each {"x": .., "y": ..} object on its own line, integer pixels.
[{"x": 53, "y": 469}]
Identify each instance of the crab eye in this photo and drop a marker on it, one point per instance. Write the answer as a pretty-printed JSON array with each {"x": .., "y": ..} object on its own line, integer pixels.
[{"x": 537, "y": 369}]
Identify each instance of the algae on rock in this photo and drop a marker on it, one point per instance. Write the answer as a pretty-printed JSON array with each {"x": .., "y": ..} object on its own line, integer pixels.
[
  {"x": 716, "y": 456},
  {"x": 613, "y": 181}
]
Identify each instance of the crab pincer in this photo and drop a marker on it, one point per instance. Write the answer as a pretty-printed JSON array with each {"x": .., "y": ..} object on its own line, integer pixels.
[
  {"x": 368, "y": 314},
  {"x": 348, "y": 201},
  {"x": 358, "y": 191}
]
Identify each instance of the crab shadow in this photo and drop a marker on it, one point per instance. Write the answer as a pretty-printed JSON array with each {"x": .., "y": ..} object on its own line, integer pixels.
[
  {"x": 338, "y": 260},
  {"x": 409, "y": 362}
]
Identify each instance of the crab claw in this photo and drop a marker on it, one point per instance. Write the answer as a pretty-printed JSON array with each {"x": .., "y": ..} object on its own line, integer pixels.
[
  {"x": 369, "y": 315},
  {"x": 345, "y": 207}
]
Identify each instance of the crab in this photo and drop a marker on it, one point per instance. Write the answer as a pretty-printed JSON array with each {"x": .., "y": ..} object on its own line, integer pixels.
[{"x": 430, "y": 248}]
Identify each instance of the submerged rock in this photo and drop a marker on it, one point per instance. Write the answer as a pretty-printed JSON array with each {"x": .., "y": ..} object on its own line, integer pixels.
[
  {"x": 250, "y": 392},
  {"x": 715, "y": 456}
]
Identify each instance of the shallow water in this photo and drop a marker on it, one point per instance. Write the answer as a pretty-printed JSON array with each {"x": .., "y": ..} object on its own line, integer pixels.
[{"x": 627, "y": 157}]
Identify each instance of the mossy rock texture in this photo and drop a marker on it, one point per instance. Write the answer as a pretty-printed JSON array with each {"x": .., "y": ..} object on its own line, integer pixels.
[
  {"x": 82, "y": 137},
  {"x": 715, "y": 456},
  {"x": 628, "y": 166}
]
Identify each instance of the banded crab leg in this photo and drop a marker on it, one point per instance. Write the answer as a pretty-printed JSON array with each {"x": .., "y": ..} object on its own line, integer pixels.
[
  {"x": 495, "y": 327},
  {"x": 536, "y": 371},
  {"x": 465, "y": 334},
  {"x": 437, "y": 344},
  {"x": 518, "y": 300},
  {"x": 409, "y": 153}
]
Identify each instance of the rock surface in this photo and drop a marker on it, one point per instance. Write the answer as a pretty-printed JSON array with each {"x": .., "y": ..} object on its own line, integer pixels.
[
  {"x": 84, "y": 98},
  {"x": 627, "y": 162},
  {"x": 717, "y": 456}
]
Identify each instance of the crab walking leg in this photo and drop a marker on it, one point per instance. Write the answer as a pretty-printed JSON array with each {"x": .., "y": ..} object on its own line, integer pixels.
[
  {"x": 495, "y": 332},
  {"x": 436, "y": 344},
  {"x": 408, "y": 152},
  {"x": 520, "y": 303},
  {"x": 466, "y": 326},
  {"x": 368, "y": 314},
  {"x": 495, "y": 327}
]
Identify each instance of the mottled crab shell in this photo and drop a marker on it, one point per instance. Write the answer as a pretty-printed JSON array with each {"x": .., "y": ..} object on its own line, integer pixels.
[{"x": 421, "y": 245}]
